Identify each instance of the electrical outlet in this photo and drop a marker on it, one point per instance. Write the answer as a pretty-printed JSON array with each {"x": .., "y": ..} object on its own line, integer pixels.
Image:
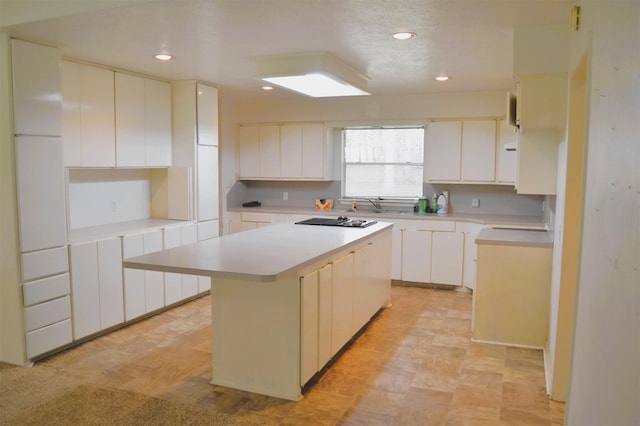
[
  {"x": 475, "y": 202},
  {"x": 285, "y": 196}
]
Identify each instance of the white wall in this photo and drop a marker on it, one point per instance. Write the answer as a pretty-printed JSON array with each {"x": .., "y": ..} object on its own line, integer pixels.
[
  {"x": 104, "y": 196},
  {"x": 605, "y": 376}
]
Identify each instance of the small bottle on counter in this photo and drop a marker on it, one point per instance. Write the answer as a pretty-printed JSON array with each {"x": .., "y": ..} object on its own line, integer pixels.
[
  {"x": 434, "y": 203},
  {"x": 422, "y": 205}
]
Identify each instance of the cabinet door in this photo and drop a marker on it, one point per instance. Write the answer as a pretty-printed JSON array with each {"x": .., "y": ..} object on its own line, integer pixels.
[
  {"x": 396, "y": 254},
  {"x": 85, "y": 293},
  {"x": 443, "y": 149},
  {"x": 446, "y": 258},
  {"x": 97, "y": 117},
  {"x": 308, "y": 326},
  {"x": 269, "y": 156},
  {"x": 325, "y": 302},
  {"x": 71, "y": 124},
  {"x": 506, "y": 160},
  {"x": 134, "y": 298},
  {"x": 416, "y": 256},
  {"x": 207, "y": 111},
  {"x": 207, "y": 185},
  {"x": 41, "y": 200},
  {"x": 342, "y": 303},
  {"x": 470, "y": 255},
  {"x": 110, "y": 279},
  {"x": 172, "y": 288},
  {"x": 153, "y": 280},
  {"x": 313, "y": 151},
  {"x": 291, "y": 151},
  {"x": 37, "y": 88},
  {"x": 249, "y": 151},
  {"x": 478, "y": 151},
  {"x": 537, "y": 165},
  {"x": 363, "y": 295},
  {"x": 130, "y": 117},
  {"x": 157, "y": 123}
]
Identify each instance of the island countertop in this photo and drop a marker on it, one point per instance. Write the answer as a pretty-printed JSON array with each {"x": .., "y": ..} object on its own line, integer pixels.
[{"x": 262, "y": 254}]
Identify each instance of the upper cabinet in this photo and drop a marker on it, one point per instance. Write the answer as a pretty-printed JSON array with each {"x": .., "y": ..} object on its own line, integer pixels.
[
  {"x": 541, "y": 115},
  {"x": 293, "y": 151},
  {"x": 207, "y": 112},
  {"x": 461, "y": 151},
  {"x": 143, "y": 122},
  {"x": 88, "y": 116},
  {"x": 36, "y": 89}
]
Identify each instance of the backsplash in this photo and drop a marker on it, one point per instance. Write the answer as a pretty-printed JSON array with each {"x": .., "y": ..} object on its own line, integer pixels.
[{"x": 493, "y": 199}]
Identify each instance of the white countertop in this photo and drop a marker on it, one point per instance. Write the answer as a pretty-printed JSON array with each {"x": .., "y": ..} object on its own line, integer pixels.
[
  {"x": 119, "y": 229},
  {"x": 515, "y": 237},
  {"x": 261, "y": 254},
  {"x": 525, "y": 222}
]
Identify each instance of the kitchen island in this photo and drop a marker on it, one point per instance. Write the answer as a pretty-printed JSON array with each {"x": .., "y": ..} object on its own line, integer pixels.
[{"x": 285, "y": 298}]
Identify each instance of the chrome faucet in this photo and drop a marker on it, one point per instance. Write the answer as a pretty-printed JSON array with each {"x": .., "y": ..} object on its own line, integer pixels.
[{"x": 376, "y": 204}]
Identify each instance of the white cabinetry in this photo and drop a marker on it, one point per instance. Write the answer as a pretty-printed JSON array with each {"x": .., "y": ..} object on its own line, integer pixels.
[
  {"x": 88, "y": 116},
  {"x": 461, "y": 151},
  {"x": 443, "y": 149},
  {"x": 478, "y": 151},
  {"x": 302, "y": 151},
  {"x": 428, "y": 251},
  {"x": 309, "y": 326},
  {"x": 342, "y": 302},
  {"x": 36, "y": 89},
  {"x": 97, "y": 294},
  {"x": 45, "y": 288},
  {"x": 541, "y": 116},
  {"x": 471, "y": 231},
  {"x": 195, "y": 139},
  {"x": 447, "y": 257},
  {"x": 178, "y": 287},
  {"x": 143, "y": 290},
  {"x": 295, "y": 151},
  {"x": 41, "y": 201},
  {"x": 416, "y": 255},
  {"x": 506, "y": 159},
  {"x": 143, "y": 122},
  {"x": 338, "y": 299}
]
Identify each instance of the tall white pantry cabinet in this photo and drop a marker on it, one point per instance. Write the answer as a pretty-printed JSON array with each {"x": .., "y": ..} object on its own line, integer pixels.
[{"x": 40, "y": 187}]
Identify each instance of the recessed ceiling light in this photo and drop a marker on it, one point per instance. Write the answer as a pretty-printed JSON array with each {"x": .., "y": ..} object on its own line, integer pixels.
[
  {"x": 163, "y": 57},
  {"x": 403, "y": 35},
  {"x": 442, "y": 78},
  {"x": 267, "y": 88}
]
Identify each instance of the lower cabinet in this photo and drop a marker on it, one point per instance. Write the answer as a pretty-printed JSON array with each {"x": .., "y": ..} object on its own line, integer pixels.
[
  {"x": 342, "y": 302},
  {"x": 338, "y": 299},
  {"x": 430, "y": 252},
  {"x": 178, "y": 287},
  {"x": 143, "y": 290},
  {"x": 96, "y": 286}
]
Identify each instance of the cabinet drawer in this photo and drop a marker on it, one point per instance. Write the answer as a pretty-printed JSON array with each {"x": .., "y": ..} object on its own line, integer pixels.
[
  {"x": 435, "y": 225},
  {"x": 45, "y": 289},
  {"x": 43, "y": 263},
  {"x": 47, "y": 313},
  {"x": 48, "y": 338},
  {"x": 256, "y": 217}
]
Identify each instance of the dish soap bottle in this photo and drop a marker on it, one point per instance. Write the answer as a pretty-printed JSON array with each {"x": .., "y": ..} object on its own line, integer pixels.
[
  {"x": 434, "y": 203},
  {"x": 442, "y": 204}
]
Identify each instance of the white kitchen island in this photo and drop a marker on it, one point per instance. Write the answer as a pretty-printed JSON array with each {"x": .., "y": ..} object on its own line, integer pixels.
[{"x": 285, "y": 298}]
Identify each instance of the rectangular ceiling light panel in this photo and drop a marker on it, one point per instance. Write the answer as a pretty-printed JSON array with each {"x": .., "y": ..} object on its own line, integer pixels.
[{"x": 313, "y": 74}]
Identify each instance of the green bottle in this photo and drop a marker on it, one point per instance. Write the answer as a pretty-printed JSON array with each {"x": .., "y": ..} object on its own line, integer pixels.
[{"x": 434, "y": 203}]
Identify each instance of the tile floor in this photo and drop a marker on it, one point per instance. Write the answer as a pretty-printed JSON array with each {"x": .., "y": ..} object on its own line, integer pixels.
[{"x": 413, "y": 365}]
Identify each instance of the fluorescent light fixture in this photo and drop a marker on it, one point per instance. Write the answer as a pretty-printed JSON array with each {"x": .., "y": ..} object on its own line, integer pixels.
[
  {"x": 314, "y": 74},
  {"x": 442, "y": 78}
]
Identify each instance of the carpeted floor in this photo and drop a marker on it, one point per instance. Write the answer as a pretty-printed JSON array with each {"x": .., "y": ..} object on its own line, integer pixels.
[{"x": 38, "y": 396}]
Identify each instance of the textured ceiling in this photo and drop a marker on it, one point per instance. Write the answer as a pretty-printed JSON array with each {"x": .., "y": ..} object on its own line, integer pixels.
[{"x": 215, "y": 40}]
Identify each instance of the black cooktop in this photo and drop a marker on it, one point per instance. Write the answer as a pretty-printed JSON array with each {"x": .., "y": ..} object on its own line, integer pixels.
[{"x": 340, "y": 221}]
